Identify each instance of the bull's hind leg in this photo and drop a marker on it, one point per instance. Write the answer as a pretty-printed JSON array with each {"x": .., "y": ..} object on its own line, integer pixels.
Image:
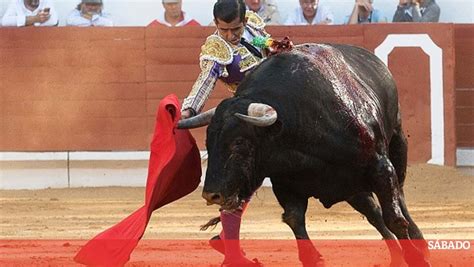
[
  {"x": 386, "y": 188},
  {"x": 294, "y": 215},
  {"x": 366, "y": 205},
  {"x": 398, "y": 157},
  {"x": 415, "y": 234}
]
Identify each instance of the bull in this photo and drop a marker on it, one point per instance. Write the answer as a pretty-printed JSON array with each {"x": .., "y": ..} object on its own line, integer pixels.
[{"x": 322, "y": 121}]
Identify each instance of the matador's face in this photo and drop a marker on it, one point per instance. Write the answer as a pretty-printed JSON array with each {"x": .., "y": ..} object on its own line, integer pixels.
[{"x": 231, "y": 31}]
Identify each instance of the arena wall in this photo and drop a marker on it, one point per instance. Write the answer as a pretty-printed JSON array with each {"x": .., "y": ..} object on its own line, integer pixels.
[
  {"x": 142, "y": 12},
  {"x": 464, "y": 77},
  {"x": 95, "y": 89}
]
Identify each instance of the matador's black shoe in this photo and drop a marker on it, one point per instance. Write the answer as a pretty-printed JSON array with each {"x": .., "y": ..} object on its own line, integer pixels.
[{"x": 218, "y": 244}]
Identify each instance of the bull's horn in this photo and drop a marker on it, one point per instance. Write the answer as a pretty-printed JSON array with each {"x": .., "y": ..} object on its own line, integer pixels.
[
  {"x": 261, "y": 115},
  {"x": 197, "y": 121}
]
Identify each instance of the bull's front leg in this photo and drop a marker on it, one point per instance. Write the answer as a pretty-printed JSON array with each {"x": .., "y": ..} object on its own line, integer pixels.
[{"x": 294, "y": 215}]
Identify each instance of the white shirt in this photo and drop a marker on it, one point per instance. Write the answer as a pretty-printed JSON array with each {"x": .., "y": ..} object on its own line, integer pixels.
[
  {"x": 184, "y": 22},
  {"x": 75, "y": 19},
  {"x": 17, "y": 12},
  {"x": 322, "y": 13}
]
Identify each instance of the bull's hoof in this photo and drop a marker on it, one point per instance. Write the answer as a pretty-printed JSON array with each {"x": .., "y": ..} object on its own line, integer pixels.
[
  {"x": 244, "y": 262},
  {"x": 422, "y": 245},
  {"x": 396, "y": 258},
  {"x": 416, "y": 259},
  {"x": 218, "y": 245}
]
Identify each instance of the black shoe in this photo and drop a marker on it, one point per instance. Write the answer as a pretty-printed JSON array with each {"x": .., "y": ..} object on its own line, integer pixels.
[{"x": 218, "y": 244}]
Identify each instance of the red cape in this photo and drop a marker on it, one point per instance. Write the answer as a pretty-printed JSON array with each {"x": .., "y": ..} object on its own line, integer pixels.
[{"x": 174, "y": 170}]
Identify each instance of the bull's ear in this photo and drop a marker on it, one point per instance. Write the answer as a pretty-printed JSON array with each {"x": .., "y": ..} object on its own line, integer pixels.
[
  {"x": 261, "y": 115},
  {"x": 197, "y": 121}
]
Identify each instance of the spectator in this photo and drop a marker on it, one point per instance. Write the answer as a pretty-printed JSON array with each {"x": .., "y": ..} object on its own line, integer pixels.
[
  {"x": 30, "y": 13},
  {"x": 89, "y": 13},
  {"x": 173, "y": 16},
  {"x": 364, "y": 12},
  {"x": 266, "y": 9},
  {"x": 417, "y": 11},
  {"x": 310, "y": 12}
]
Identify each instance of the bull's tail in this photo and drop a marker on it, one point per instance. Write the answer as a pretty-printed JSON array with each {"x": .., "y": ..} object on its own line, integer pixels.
[
  {"x": 398, "y": 151},
  {"x": 212, "y": 222}
]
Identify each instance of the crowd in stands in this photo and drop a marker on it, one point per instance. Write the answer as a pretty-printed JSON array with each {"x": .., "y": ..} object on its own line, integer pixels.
[
  {"x": 42, "y": 13},
  {"x": 174, "y": 16},
  {"x": 309, "y": 12}
]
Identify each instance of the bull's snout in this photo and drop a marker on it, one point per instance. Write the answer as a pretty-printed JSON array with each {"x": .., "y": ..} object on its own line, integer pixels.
[{"x": 213, "y": 198}]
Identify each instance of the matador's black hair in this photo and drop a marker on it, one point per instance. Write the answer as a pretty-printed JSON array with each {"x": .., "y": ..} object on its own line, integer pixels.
[{"x": 229, "y": 10}]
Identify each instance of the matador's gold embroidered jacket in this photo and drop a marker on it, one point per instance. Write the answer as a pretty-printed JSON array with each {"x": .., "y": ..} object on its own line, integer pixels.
[{"x": 220, "y": 60}]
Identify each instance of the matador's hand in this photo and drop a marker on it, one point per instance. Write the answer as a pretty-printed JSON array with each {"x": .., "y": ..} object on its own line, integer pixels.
[{"x": 186, "y": 114}]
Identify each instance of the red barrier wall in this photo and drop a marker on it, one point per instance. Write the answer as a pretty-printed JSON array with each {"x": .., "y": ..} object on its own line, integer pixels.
[
  {"x": 464, "y": 48},
  {"x": 73, "y": 89},
  {"x": 98, "y": 89}
]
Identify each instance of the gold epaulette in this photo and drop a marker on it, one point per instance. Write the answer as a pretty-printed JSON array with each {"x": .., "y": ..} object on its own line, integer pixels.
[
  {"x": 216, "y": 49},
  {"x": 254, "y": 20}
]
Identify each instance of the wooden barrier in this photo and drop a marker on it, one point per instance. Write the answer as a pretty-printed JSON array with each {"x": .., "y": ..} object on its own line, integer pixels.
[
  {"x": 464, "y": 48},
  {"x": 73, "y": 89},
  {"x": 96, "y": 89}
]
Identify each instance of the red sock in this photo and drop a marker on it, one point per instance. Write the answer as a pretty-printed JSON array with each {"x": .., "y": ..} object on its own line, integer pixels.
[{"x": 230, "y": 233}]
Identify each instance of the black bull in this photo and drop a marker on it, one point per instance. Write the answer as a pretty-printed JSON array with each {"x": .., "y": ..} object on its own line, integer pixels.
[{"x": 321, "y": 121}]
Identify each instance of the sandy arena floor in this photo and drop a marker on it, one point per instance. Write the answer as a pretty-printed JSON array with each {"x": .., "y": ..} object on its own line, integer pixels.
[{"x": 441, "y": 201}]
